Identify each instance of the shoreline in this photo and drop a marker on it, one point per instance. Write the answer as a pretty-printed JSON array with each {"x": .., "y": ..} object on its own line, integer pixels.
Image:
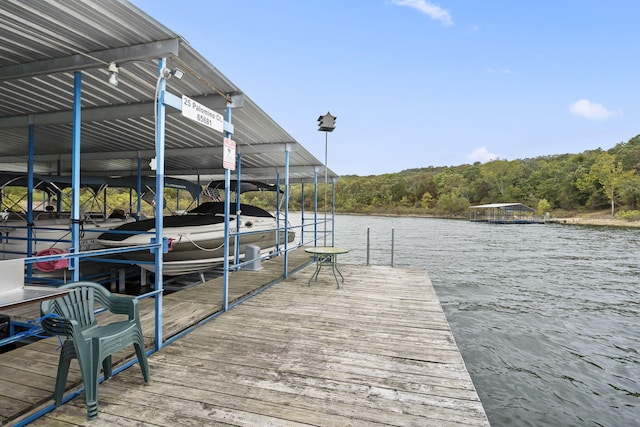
[{"x": 598, "y": 221}]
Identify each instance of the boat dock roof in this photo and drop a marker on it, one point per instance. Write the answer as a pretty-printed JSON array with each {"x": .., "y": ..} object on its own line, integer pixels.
[
  {"x": 506, "y": 206},
  {"x": 504, "y": 213},
  {"x": 47, "y": 43},
  {"x": 378, "y": 350}
]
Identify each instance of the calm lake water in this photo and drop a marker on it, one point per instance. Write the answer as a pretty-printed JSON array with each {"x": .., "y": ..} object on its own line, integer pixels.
[{"x": 547, "y": 317}]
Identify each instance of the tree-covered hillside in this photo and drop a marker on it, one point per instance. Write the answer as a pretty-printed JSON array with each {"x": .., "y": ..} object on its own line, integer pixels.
[{"x": 594, "y": 179}]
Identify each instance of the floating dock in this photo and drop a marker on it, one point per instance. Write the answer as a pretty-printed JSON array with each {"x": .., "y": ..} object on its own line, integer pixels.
[
  {"x": 504, "y": 213},
  {"x": 378, "y": 350}
]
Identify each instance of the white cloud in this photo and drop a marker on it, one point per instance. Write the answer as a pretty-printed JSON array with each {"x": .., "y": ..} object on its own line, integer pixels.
[
  {"x": 481, "y": 155},
  {"x": 590, "y": 110},
  {"x": 431, "y": 10}
]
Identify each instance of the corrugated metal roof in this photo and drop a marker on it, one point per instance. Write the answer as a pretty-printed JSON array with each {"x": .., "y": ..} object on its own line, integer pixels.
[
  {"x": 508, "y": 206},
  {"x": 45, "y": 42}
]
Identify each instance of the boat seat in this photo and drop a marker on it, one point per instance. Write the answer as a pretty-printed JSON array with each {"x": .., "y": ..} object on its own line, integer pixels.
[{"x": 73, "y": 316}]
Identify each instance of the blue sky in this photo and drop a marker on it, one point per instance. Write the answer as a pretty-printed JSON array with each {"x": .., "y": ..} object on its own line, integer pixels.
[{"x": 418, "y": 83}]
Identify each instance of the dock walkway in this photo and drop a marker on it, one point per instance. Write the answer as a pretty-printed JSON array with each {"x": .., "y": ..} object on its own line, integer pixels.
[{"x": 377, "y": 351}]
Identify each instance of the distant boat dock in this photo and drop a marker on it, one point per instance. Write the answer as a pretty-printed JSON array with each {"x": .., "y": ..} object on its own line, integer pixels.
[
  {"x": 504, "y": 213},
  {"x": 377, "y": 350}
]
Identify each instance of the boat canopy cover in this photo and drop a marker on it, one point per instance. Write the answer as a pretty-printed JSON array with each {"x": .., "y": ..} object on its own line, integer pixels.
[
  {"x": 245, "y": 186},
  {"x": 217, "y": 208},
  {"x": 170, "y": 221},
  {"x": 53, "y": 184},
  {"x": 48, "y": 184},
  {"x": 150, "y": 182},
  {"x": 506, "y": 206}
]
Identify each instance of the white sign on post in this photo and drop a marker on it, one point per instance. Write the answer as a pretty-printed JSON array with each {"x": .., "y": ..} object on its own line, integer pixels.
[
  {"x": 229, "y": 154},
  {"x": 201, "y": 114}
]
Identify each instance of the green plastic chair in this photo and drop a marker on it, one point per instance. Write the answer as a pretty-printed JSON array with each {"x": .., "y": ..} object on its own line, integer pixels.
[{"x": 73, "y": 316}]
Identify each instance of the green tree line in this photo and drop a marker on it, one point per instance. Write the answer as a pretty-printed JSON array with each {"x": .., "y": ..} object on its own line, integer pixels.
[{"x": 588, "y": 181}]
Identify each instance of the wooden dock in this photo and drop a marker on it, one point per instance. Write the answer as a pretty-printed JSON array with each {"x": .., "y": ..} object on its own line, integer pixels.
[{"x": 377, "y": 351}]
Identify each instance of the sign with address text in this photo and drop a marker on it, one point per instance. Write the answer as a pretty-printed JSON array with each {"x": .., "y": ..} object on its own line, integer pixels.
[{"x": 204, "y": 115}]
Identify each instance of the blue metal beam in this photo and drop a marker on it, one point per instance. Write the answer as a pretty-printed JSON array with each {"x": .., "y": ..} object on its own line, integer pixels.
[
  {"x": 32, "y": 144},
  {"x": 286, "y": 211},
  {"x": 139, "y": 190},
  {"x": 278, "y": 235},
  {"x": 238, "y": 211},
  {"x": 302, "y": 219},
  {"x": 75, "y": 175},
  {"x": 315, "y": 208},
  {"x": 158, "y": 250},
  {"x": 227, "y": 209}
]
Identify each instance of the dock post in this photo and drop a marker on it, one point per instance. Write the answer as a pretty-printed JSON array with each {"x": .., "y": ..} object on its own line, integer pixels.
[
  {"x": 392, "y": 244},
  {"x": 368, "y": 244}
]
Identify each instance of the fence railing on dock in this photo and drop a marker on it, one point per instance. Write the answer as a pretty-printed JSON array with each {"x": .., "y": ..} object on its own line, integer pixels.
[{"x": 392, "y": 249}]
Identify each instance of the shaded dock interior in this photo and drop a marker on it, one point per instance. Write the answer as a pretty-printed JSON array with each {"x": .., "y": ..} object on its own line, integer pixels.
[{"x": 376, "y": 351}]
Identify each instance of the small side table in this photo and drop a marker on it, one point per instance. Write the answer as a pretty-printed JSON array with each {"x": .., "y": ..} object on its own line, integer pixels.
[{"x": 326, "y": 255}]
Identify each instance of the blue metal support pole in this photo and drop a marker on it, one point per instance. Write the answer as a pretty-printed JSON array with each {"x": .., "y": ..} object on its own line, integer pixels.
[
  {"x": 227, "y": 209},
  {"x": 325, "y": 187},
  {"x": 238, "y": 212},
  {"x": 278, "y": 237},
  {"x": 32, "y": 144},
  {"x": 315, "y": 208},
  {"x": 139, "y": 189},
  {"x": 59, "y": 194},
  {"x": 302, "y": 217},
  {"x": 286, "y": 210},
  {"x": 159, "y": 211},
  {"x": 75, "y": 175}
]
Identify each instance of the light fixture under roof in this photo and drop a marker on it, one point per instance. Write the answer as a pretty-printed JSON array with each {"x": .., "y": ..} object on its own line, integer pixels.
[
  {"x": 178, "y": 73},
  {"x": 167, "y": 73},
  {"x": 113, "y": 74}
]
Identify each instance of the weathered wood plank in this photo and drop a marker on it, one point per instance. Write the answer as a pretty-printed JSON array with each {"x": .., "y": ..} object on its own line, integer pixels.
[{"x": 377, "y": 351}]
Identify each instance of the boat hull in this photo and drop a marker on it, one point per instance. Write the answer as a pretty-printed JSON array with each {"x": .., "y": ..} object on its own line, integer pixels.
[
  {"x": 189, "y": 261},
  {"x": 191, "y": 256},
  {"x": 196, "y": 243}
]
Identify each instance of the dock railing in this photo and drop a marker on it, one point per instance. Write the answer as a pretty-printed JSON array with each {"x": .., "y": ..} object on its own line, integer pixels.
[{"x": 392, "y": 249}]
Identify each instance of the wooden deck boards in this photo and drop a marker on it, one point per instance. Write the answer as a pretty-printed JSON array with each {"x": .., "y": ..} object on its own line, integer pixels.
[
  {"x": 377, "y": 351},
  {"x": 24, "y": 386}
]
